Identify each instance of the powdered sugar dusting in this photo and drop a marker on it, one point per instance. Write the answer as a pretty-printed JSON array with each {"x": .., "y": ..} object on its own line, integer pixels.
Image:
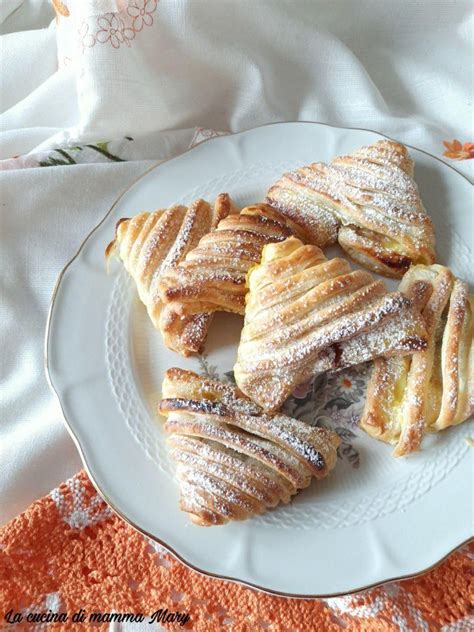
[
  {"x": 336, "y": 322},
  {"x": 234, "y": 460},
  {"x": 214, "y": 272},
  {"x": 408, "y": 398},
  {"x": 152, "y": 244},
  {"x": 371, "y": 189}
]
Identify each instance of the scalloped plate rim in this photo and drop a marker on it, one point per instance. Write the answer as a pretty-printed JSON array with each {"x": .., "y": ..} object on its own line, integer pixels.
[{"x": 59, "y": 394}]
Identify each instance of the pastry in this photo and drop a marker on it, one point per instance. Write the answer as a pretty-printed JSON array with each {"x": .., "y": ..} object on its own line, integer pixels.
[
  {"x": 233, "y": 461},
  {"x": 434, "y": 388},
  {"x": 306, "y": 315},
  {"x": 368, "y": 201},
  {"x": 212, "y": 276},
  {"x": 150, "y": 244}
]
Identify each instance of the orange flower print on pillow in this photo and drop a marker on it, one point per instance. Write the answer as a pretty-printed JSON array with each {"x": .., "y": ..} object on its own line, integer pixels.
[{"x": 457, "y": 151}]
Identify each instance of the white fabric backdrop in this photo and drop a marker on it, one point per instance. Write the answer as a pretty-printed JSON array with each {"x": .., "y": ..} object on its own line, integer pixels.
[{"x": 153, "y": 71}]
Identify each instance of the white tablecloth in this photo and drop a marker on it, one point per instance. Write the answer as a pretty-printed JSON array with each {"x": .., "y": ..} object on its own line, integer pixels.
[{"x": 133, "y": 79}]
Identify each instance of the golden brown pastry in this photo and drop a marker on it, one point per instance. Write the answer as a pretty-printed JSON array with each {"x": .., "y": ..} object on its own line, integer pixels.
[
  {"x": 212, "y": 276},
  {"x": 306, "y": 315},
  {"x": 368, "y": 201},
  {"x": 234, "y": 461},
  {"x": 150, "y": 244},
  {"x": 433, "y": 388}
]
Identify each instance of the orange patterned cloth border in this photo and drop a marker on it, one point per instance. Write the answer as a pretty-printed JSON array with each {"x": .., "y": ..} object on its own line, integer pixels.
[{"x": 70, "y": 551}]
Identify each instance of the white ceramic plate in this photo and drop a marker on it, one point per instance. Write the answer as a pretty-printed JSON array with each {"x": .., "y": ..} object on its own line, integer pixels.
[{"x": 375, "y": 518}]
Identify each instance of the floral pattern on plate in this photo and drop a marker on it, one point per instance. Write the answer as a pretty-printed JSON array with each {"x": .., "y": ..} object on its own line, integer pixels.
[{"x": 330, "y": 400}]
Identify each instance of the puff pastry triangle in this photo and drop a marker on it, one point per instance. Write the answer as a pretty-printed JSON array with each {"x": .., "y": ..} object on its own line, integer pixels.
[
  {"x": 306, "y": 315},
  {"x": 434, "y": 388},
  {"x": 234, "y": 461},
  {"x": 368, "y": 201},
  {"x": 150, "y": 244}
]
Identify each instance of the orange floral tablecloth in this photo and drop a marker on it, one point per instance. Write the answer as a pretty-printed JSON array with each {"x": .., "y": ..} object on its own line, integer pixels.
[{"x": 70, "y": 551}]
